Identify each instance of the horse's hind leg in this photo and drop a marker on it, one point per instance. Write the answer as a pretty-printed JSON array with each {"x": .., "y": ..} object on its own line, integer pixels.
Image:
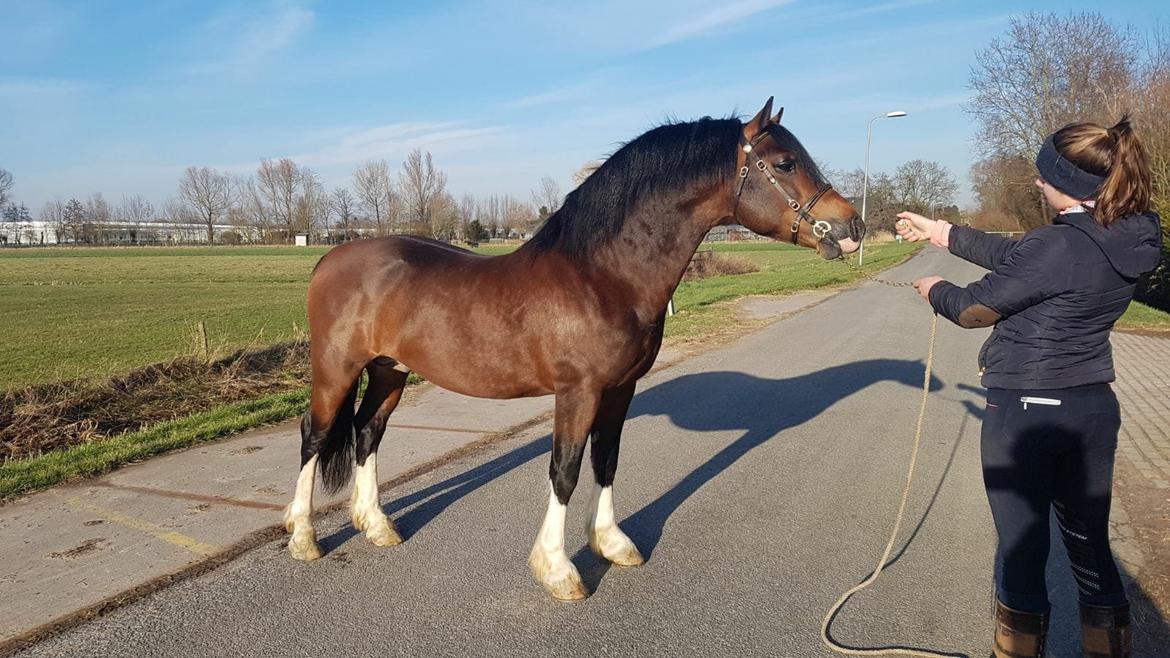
[
  {"x": 605, "y": 538},
  {"x": 575, "y": 410},
  {"x": 327, "y": 437},
  {"x": 387, "y": 380}
]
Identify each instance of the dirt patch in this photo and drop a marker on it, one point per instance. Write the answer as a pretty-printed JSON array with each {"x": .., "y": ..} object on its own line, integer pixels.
[
  {"x": 87, "y": 546},
  {"x": 46, "y": 417},
  {"x": 706, "y": 264},
  {"x": 247, "y": 450}
]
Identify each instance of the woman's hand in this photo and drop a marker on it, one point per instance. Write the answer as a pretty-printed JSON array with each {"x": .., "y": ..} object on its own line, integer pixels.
[
  {"x": 914, "y": 227},
  {"x": 924, "y": 284}
]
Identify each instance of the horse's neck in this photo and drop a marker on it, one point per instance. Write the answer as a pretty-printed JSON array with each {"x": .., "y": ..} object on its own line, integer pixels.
[{"x": 654, "y": 247}]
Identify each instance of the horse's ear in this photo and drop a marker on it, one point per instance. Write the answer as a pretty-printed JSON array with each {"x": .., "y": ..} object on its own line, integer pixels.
[
  {"x": 758, "y": 123},
  {"x": 776, "y": 119}
]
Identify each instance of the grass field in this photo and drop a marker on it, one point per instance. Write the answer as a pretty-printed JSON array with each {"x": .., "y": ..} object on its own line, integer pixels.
[
  {"x": 74, "y": 313},
  {"x": 92, "y": 312}
]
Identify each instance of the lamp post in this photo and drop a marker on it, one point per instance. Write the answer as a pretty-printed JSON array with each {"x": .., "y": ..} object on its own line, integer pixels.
[{"x": 865, "y": 180}]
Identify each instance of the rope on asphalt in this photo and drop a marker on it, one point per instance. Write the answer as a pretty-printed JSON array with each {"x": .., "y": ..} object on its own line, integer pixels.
[{"x": 829, "y": 642}]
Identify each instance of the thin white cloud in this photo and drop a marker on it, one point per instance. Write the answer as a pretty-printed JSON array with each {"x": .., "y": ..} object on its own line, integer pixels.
[
  {"x": 390, "y": 142},
  {"x": 553, "y": 96},
  {"x": 879, "y": 9},
  {"x": 243, "y": 42},
  {"x": 275, "y": 31},
  {"x": 714, "y": 19}
]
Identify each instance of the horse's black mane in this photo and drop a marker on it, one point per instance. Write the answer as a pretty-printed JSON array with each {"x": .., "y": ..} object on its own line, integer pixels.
[{"x": 665, "y": 159}]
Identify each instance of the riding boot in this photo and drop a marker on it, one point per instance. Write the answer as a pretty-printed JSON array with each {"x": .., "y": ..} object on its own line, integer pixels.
[
  {"x": 1105, "y": 631},
  {"x": 1019, "y": 634}
]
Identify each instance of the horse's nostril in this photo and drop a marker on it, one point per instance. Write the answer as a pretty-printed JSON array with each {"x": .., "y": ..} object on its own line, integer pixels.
[{"x": 857, "y": 228}]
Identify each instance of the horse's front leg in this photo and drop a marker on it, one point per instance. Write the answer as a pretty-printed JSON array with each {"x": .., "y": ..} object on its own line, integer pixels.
[
  {"x": 605, "y": 537},
  {"x": 575, "y": 411}
]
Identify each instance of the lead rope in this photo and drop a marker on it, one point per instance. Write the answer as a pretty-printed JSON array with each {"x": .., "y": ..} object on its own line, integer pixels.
[{"x": 828, "y": 620}]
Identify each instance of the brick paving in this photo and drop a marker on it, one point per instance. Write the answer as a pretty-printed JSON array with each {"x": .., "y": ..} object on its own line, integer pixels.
[{"x": 1143, "y": 387}]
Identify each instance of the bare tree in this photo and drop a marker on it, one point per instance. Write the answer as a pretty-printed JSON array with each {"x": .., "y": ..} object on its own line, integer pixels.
[
  {"x": 922, "y": 184},
  {"x": 444, "y": 218},
  {"x": 421, "y": 186},
  {"x": 848, "y": 183},
  {"x": 208, "y": 194},
  {"x": 251, "y": 209},
  {"x": 312, "y": 205},
  {"x": 135, "y": 209},
  {"x": 1047, "y": 71},
  {"x": 279, "y": 183},
  {"x": 73, "y": 216},
  {"x": 490, "y": 212},
  {"x": 520, "y": 217},
  {"x": 5, "y": 186},
  {"x": 343, "y": 205},
  {"x": 97, "y": 216},
  {"x": 375, "y": 192},
  {"x": 53, "y": 213},
  {"x": 547, "y": 197}
]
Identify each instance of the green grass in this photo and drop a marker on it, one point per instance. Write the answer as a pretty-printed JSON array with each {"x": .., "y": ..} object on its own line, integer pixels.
[
  {"x": 93, "y": 312},
  {"x": 1140, "y": 316},
  {"x": 783, "y": 269}
]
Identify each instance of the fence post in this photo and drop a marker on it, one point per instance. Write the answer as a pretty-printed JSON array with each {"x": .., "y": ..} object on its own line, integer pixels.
[{"x": 203, "y": 339}]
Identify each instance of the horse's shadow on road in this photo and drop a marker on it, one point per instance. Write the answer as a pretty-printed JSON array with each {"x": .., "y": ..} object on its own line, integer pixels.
[{"x": 703, "y": 402}]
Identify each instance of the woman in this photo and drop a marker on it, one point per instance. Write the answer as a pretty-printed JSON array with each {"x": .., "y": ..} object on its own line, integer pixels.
[{"x": 1050, "y": 430}]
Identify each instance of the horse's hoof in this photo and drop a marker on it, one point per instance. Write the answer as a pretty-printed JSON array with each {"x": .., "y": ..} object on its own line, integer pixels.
[
  {"x": 304, "y": 548},
  {"x": 616, "y": 548},
  {"x": 384, "y": 535},
  {"x": 379, "y": 529},
  {"x": 630, "y": 557},
  {"x": 564, "y": 584},
  {"x": 567, "y": 589}
]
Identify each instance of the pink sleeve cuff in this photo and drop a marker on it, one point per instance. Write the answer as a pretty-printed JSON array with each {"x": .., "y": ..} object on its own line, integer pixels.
[{"x": 940, "y": 235}]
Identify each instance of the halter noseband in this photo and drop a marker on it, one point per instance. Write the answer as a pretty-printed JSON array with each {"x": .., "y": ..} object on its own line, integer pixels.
[{"x": 820, "y": 227}]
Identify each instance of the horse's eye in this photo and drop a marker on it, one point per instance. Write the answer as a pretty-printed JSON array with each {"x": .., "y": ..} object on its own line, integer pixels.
[{"x": 786, "y": 166}]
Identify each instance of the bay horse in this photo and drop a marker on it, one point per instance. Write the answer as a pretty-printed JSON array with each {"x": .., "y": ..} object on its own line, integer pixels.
[{"x": 576, "y": 312}]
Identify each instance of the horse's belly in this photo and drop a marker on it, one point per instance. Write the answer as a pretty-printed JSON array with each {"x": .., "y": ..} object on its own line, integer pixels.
[{"x": 483, "y": 372}]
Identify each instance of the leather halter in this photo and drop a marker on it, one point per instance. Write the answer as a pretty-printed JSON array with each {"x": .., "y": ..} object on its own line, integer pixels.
[{"x": 820, "y": 227}]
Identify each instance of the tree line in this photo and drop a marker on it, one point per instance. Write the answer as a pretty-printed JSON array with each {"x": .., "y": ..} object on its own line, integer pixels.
[
  {"x": 922, "y": 186},
  {"x": 1049, "y": 70},
  {"x": 283, "y": 199}
]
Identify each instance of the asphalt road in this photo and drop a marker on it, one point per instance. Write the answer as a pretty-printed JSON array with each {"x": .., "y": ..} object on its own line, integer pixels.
[{"x": 760, "y": 480}]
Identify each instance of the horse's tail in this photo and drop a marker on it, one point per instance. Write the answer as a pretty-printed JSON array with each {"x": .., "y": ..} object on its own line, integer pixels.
[{"x": 337, "y": 450}]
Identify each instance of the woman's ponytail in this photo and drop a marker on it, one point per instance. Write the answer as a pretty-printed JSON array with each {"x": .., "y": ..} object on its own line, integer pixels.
[{"x": 1126, "y": 189}]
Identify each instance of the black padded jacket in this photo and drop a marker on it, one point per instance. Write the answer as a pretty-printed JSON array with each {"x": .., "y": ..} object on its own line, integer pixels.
[{"x": 1053, "y": 297}]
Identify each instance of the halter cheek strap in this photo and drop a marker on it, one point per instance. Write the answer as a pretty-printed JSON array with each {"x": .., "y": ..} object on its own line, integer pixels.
[{"x": 820, "y": 227}]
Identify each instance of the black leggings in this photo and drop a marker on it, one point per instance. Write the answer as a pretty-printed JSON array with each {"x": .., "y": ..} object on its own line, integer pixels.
[{"x": 1038, "y": 454}]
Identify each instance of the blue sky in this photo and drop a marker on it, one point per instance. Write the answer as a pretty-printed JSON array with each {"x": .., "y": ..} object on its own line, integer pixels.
[{"x": 119, "y": 98}]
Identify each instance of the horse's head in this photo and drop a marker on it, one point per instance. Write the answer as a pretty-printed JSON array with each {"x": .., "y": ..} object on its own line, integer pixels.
[{"x": 780, "y": 192}]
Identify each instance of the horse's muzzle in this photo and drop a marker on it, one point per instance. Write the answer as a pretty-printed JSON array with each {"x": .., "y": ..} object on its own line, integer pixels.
[{"x": 849, "y": 235}]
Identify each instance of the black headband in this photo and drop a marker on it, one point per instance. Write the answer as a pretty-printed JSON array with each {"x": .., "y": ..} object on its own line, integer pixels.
[{"x": 1065, "y": 176}]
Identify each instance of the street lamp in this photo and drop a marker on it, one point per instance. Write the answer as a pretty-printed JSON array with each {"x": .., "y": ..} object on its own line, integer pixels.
[{"x": 865, "y": 180}]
